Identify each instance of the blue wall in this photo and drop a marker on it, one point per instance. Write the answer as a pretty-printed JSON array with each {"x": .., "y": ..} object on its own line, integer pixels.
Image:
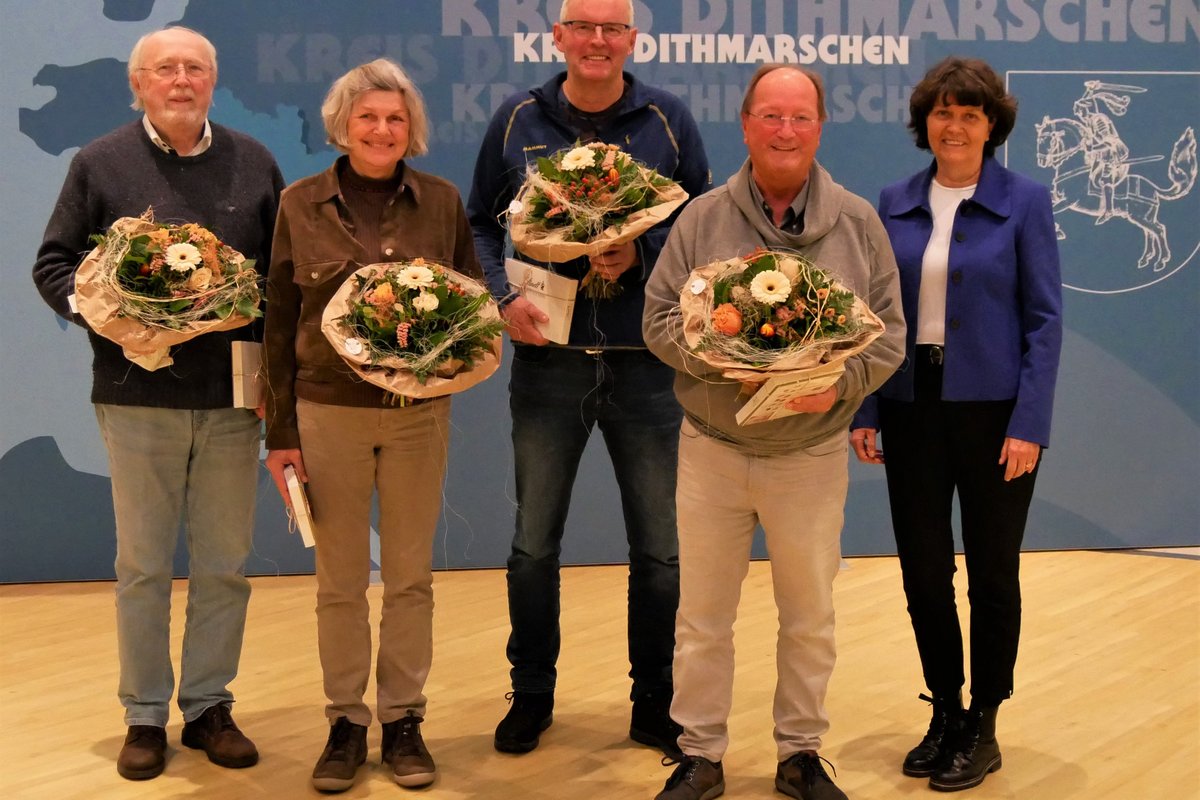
[{"x": 1122, "y": 470}]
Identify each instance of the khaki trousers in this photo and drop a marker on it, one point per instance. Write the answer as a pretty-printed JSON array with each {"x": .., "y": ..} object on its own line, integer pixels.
[
  {"x": 798, "y": 499},
  {"x": 351, "y": 453}
]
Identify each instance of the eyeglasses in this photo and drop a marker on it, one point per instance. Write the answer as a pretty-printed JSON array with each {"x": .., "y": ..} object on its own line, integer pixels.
[
  {"x": 166, "y": 72},
  {"x": 583, "y": 29},
  {"x": 775, "y": 122}
]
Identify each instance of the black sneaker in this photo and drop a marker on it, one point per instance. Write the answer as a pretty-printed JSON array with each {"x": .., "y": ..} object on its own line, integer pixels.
[
  {"x": 529, "y": 715},
  {"x": 344, "y": 753},
  {"x": 802, "y": 776},
  {"x": 405, "y": 752},
  {"x": 696, "y": 778},
  {"x": 651, "y": 724}
]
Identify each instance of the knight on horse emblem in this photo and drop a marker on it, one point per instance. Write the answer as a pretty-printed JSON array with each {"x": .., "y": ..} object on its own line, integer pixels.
[{"x": 1092, "y": 174}]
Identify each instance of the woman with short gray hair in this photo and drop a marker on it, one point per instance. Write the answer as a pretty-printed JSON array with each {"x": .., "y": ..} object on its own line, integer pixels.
[{"x": 348, "y": 439}]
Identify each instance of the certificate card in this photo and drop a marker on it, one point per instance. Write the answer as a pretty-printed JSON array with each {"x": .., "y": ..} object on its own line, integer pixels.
[{"x": 770, "y": 401}]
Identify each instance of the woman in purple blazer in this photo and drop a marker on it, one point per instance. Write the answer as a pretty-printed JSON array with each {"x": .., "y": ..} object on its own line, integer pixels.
[{"x": 969, "y": 409}]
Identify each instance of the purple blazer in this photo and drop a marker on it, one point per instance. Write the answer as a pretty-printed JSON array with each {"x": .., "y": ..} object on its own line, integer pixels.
[{"x": 1003, "y": 296}]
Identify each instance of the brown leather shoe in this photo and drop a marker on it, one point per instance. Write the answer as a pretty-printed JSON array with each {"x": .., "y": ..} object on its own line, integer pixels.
[
  {"x": 218, "y": 736},
  {"x": 405, "y": 752},
  {"x": 144, "y": 754}
]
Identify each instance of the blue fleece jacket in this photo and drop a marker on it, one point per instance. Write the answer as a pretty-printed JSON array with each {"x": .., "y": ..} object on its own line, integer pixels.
[{"x": 652, "y": 125}]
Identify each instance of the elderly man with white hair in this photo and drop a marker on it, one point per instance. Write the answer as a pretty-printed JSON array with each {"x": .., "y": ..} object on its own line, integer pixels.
[{"x": 178, "y": 451}]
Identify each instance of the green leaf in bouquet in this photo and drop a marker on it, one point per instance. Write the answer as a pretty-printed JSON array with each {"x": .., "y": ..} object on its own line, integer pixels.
[
  {"x": 179, "y": 305},
  {"x": 248, "y": 307},
  {"x": 722, "y": 292},
  {"x": 548, "y": 170},
  {"x": 222, "y": 311}
]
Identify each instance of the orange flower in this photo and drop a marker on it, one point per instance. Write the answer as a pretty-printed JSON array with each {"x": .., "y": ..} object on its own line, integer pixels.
[
  {"x": 767, "y": 329},
  {"x": 726, "y": 319}
]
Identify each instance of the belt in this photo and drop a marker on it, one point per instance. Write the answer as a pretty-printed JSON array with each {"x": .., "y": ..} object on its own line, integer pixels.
[{"x": 933, "y": 354}]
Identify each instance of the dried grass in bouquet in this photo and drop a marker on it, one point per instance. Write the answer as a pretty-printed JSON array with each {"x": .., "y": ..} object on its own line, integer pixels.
[
  {"x": 149, "y": 286},
  {"x": 416, "y": 328},
  {"x": 774, "y": 313},
  {"x": 584, "y": 200}
]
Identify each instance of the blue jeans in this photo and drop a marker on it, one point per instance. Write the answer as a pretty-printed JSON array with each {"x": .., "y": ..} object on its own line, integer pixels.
[
  {"x": 557, "y": 397},
  {"x": 200, "y": 467}
]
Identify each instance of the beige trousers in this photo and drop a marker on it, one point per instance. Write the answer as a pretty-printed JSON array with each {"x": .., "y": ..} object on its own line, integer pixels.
[
  {"x": 799, "y": 499},
  {"x": 351, "y": 453}
]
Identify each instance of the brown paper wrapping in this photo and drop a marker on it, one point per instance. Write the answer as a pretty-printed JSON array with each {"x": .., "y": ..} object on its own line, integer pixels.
[
  {"x": 553, "y": 246},
  {"x": 390, "y": 373},
  {"x": 696, "y": 309},
  {"x": 147, "y": 346}
]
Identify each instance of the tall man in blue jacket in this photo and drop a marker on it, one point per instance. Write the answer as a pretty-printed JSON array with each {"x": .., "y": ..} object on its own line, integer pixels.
[
  {"x": 603, "y": 376},
  {"x": 176, "y": 449}
]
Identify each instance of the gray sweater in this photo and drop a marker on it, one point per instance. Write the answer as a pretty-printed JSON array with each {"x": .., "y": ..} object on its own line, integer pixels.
[
  {"x": 232, "y": 189},
  {"x": 842, "y": 235}
]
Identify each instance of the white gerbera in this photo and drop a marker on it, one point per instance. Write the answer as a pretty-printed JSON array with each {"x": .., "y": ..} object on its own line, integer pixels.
[
  {"x": 183, "y": 257},
  {"x": 789, "y": 267},
  {"x": 415, "y": 278},
  {"x": 770, "y": 287},
  {"x": 425, "y": 301},
  {"x": 579, "y": 158}
]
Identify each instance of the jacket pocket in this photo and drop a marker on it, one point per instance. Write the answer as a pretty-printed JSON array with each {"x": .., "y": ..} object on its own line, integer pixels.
[{"x": 311, "y": 274}]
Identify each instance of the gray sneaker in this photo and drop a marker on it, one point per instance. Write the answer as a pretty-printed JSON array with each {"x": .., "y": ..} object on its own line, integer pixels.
[
  {"x": 802, "y": 776},
  {"x": 405, "y": 752},
  {"x": 696, "y": 778}
]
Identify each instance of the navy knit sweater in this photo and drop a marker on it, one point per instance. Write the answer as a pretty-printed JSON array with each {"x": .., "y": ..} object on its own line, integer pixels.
[{"x": 232, "y": 189}]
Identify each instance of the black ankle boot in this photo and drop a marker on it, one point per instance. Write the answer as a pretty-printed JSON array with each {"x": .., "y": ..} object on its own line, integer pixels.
[
  {"x": 976, "y": 752},
  {"x": 934, "y": 750}
]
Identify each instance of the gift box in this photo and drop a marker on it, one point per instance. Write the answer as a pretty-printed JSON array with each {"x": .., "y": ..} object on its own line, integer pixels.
[
  {"x": 553, "y": 294},
  {"x": 248, "y": 383},
  {"x": 299, "y": 511}
]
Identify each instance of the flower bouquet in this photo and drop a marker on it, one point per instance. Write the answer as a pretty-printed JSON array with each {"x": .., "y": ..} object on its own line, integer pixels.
[
  {"x": 775, "y": 315},
  {"x": 415, "y": 328},
  {"x": 148, "y": 286},
  {"x": 584, "y": 200}
]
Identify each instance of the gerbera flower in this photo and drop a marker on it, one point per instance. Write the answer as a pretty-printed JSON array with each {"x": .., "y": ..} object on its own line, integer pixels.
[
  {"x": 578, "y": 158},
  {"x": 414, "y": 277},
  {"x": 183, "y": 257},
  {"x": 770, "y": 287}
]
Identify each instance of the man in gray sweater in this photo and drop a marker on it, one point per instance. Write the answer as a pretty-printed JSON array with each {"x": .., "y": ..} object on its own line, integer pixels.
[
  {"x": 177, "y": 450},
  {"x": 790, "y": 475}
]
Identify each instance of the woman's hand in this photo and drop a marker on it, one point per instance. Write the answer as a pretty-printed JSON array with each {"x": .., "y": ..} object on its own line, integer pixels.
[
  {"x": 1019, "y": 457},
  {"x": 863, "y": 442},
  {"x": 276, "y": 461}
]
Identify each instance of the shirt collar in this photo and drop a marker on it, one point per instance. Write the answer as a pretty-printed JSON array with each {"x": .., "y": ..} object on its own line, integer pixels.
[
  {"x": 204, "y": 143},
  {"x": 327, "y": 186},
  {"x": 793, "y": 217}
]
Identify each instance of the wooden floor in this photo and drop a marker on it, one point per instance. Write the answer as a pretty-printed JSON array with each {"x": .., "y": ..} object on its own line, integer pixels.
[{"x": 1107, "y": 702}]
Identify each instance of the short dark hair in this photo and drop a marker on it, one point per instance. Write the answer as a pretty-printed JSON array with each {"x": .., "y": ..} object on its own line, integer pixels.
[
  {"x": 767, "y": 69},
  {"x": 964, "y": 82}
]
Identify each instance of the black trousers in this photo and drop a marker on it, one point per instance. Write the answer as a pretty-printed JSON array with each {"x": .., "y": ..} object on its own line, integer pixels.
[{"x": 933, "y": 449}]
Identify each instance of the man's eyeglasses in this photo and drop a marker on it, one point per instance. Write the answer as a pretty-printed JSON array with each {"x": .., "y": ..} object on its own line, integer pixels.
[
  {"x": 584, "y": 29},
  {"x": 166, "y": 72},
  {"x": 775, "y": 122}
]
